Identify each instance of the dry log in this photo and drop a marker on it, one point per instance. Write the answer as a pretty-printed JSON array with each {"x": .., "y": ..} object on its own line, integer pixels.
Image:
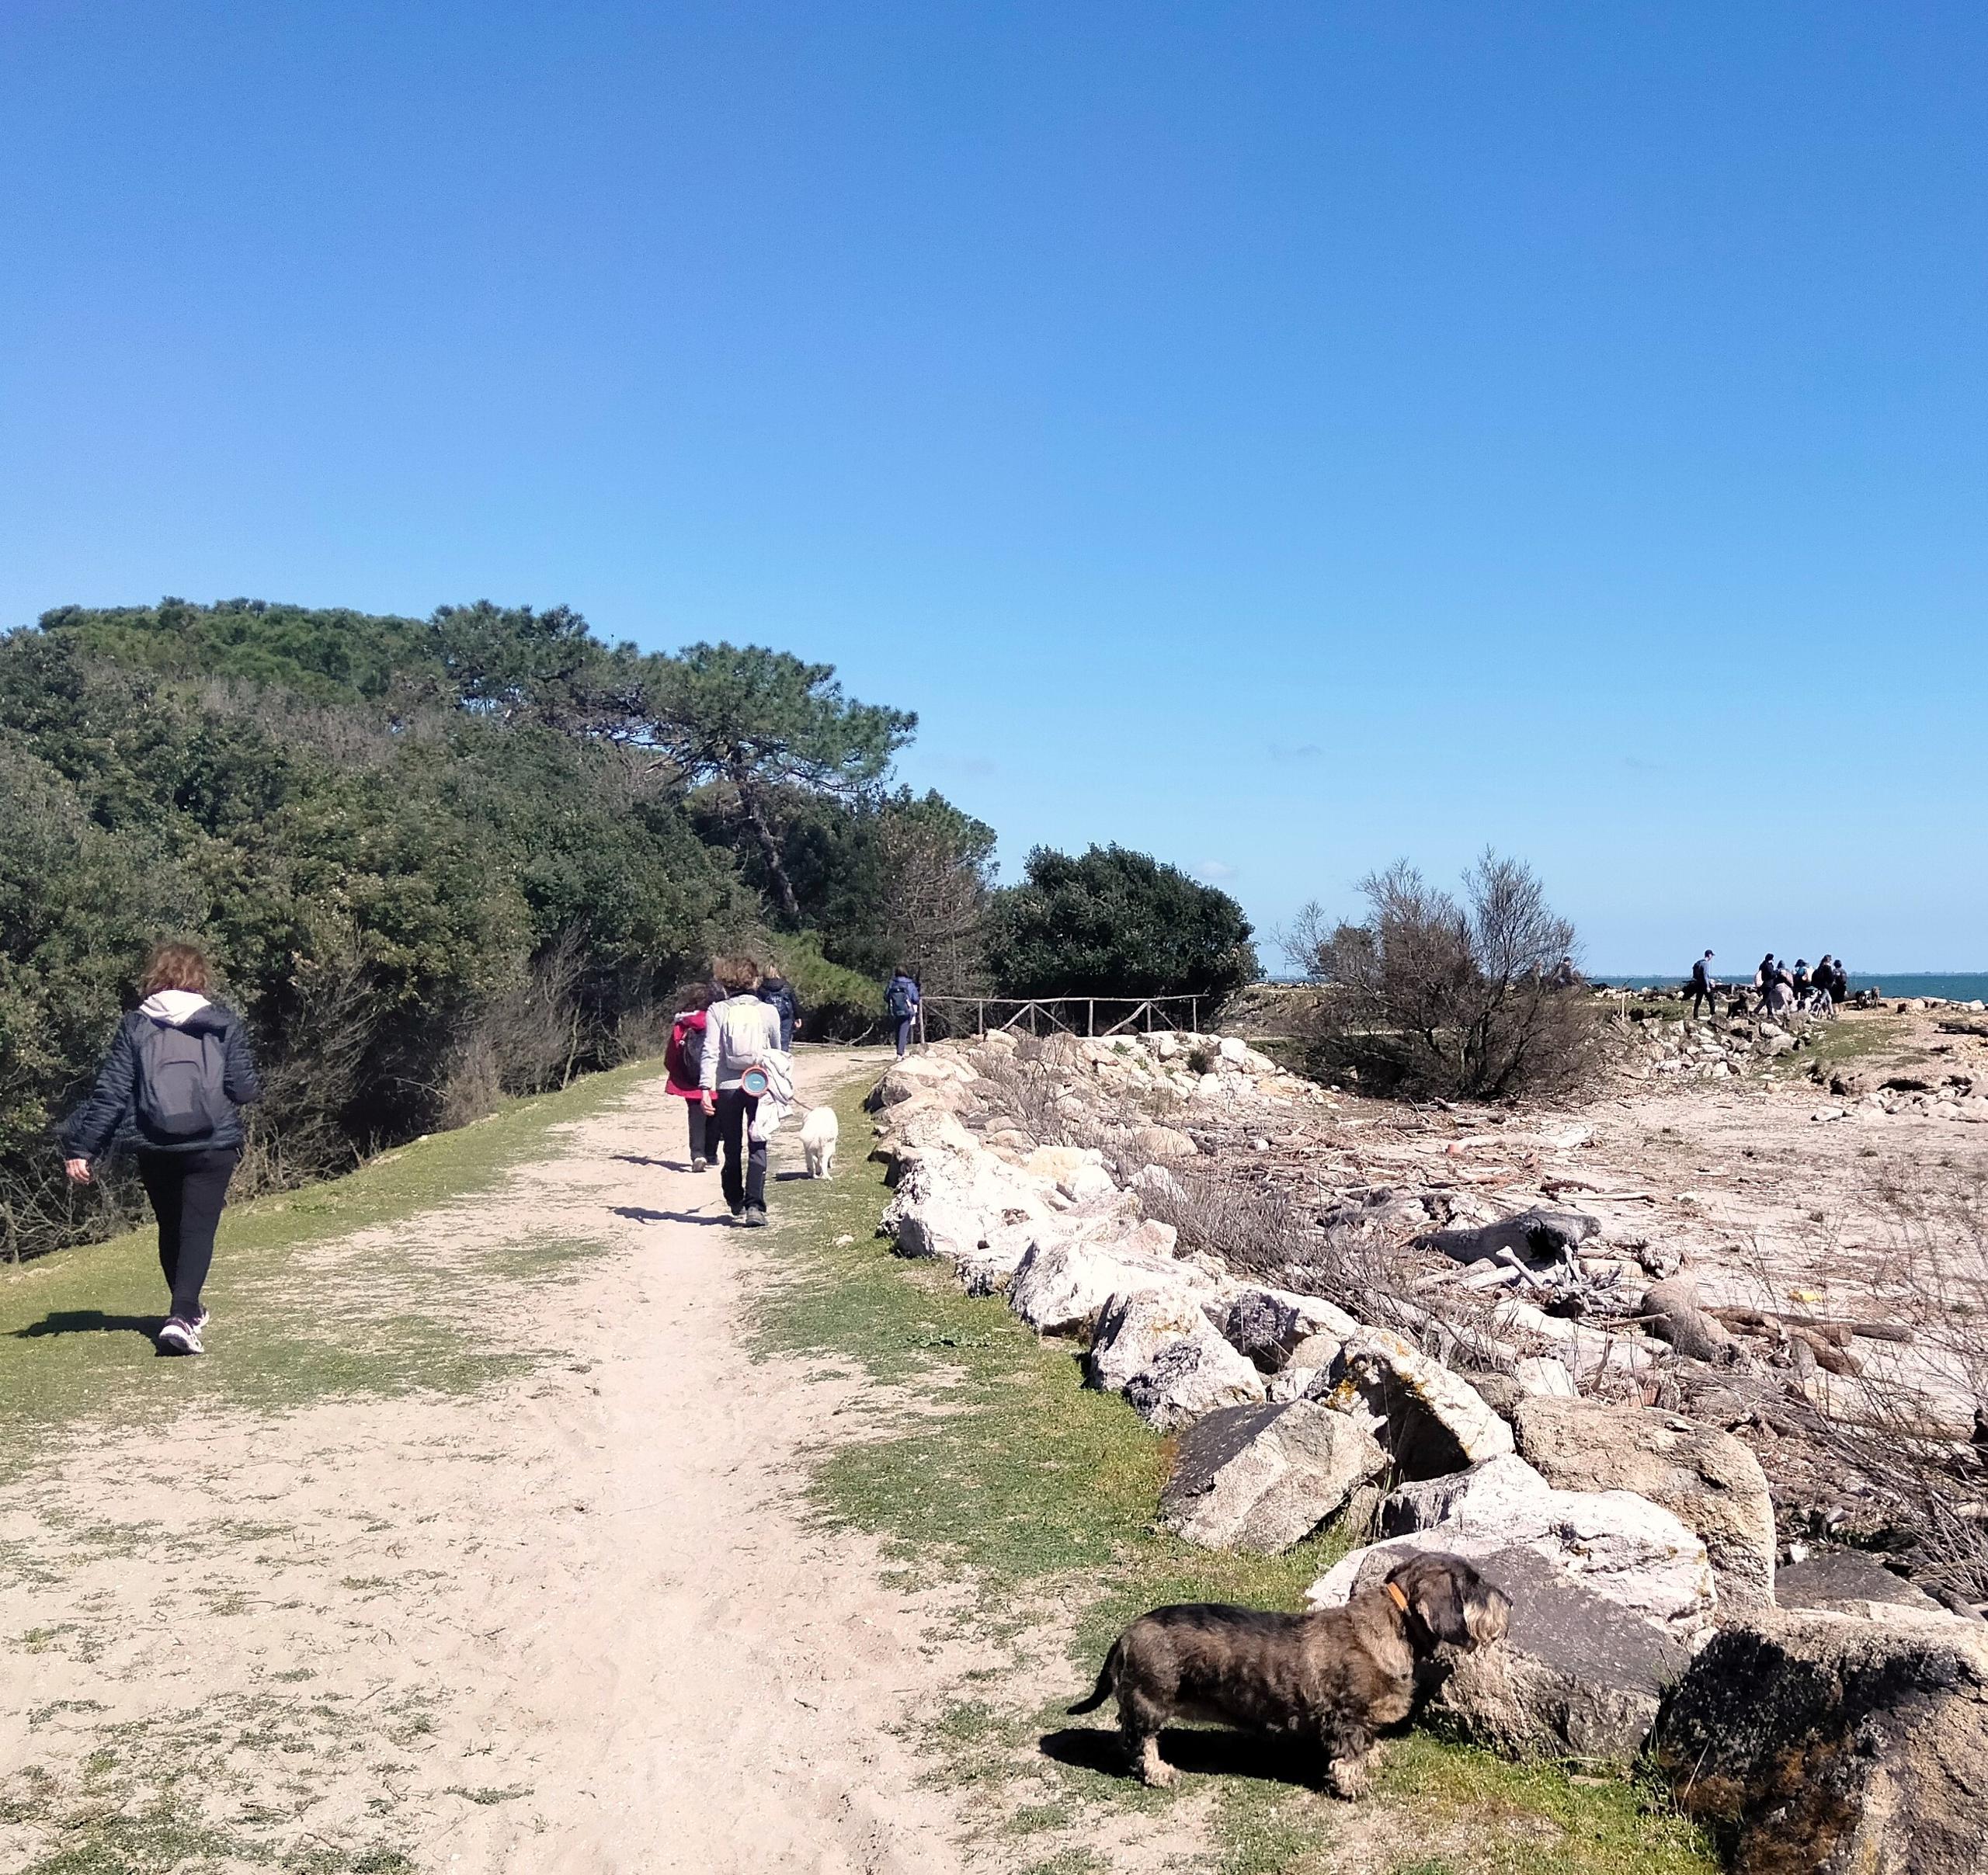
[
  {"x": 1832, "y": 1357},
  {"x": 1831, "y": 1329},
  {"x": 1679, "y": 1318}
]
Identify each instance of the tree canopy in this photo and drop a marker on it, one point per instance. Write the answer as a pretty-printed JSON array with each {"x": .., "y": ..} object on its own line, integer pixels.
[{"x": 1113, "y": 922}]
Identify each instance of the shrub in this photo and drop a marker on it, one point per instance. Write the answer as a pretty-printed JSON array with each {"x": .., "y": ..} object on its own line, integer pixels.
[
  {"x": 1426, "y": 996},
  {"x": 1112, "y": 922}
]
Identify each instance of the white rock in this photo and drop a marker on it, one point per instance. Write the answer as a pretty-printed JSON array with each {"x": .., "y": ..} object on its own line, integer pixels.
[
  {"x": 1541, "y": 1374},
  {"x": 1157, "y": 1182},
  {"x": 1435, "y": 1422},
  {"x": 933, "y": 1226},
  {"x": 1061, "y": 1285},
  {"x": 1085, "y": 1183},
  {"x": 1189, "y": 1378},
  {"x": 1613, "y": 1544},
  {"x": 1231, "y": 1050},
  {"x": 1211, "y": 1087},
  {"x": 1133, "y": 1326},
  {"x": 1268, "y": 1325},
  {"x": 1263, "y": 1480}
]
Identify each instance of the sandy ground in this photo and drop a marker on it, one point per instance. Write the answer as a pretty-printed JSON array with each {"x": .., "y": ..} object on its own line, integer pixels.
[{"x": 578, "y": 1623}]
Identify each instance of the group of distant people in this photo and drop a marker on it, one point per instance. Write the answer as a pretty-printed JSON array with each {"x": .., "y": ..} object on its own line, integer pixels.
[
  {"x": 179, "y": 1071},
  {"x": 1780, "y": 986}
]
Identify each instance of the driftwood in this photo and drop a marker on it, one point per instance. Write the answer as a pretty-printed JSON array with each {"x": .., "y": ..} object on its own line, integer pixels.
[
  {"x": 1677, "y": 1316},
  {"x": 1540, "y": 1234},
  {"x": 1836, "y": 1332}
]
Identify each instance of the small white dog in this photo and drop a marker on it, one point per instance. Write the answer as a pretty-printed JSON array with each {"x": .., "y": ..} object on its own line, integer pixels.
[{"x": 818, "y": 1134}]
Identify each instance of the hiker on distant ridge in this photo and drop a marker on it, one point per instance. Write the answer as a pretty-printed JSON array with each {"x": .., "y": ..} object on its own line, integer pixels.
[
  {"x": 178, "y": 1074},
  {"x": 1703, "y": 984},
  {"x": 739, "y": 1034},
  {"x": 901, "y": 1004}
]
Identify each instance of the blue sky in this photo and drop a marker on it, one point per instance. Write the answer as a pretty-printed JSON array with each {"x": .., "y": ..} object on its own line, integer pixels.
[{"x": 1282, "y": 438}]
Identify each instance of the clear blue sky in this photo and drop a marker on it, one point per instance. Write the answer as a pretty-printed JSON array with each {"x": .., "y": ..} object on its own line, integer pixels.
[{"x": 1280, "y": 437}]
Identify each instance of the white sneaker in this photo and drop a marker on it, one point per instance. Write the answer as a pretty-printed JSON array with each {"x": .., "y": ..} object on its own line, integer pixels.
[{"x": 178, "y": 1337}]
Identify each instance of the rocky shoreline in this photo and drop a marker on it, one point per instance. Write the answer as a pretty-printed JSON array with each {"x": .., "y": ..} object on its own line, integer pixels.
[{"x": 1315, "y": 1376}]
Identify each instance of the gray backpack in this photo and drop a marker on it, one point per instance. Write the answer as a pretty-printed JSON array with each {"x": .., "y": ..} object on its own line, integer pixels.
[{"x": 182, "y": 1090}]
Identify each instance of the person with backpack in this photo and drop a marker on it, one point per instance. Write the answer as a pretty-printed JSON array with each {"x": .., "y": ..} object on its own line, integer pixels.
[
  {"x": 775, "y": 989},
  {"x": 734, "y": 1075},
  {"x": 1701, "y": 986},
  {"x": 683, "y": 1061},
  {"x": 900, "y": 1005},
  {"x": 177, "y": 1075}
]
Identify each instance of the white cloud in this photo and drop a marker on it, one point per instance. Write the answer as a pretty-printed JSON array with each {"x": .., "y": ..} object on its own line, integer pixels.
[{"x": 1215, "y": 871}]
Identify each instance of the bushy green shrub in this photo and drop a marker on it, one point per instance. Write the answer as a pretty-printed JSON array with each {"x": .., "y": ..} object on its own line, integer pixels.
[{"x": 1112, "y": 922}]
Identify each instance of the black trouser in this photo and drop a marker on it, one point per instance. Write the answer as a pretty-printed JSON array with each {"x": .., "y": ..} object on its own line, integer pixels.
[
  {"x": 907, "y": 1026},
  {"x": 1700, "y": 993},
  {"x": 186, "y": 1189},
  {"x": 744, "y": 1184},
  {"x": 703, "y": 1131}
]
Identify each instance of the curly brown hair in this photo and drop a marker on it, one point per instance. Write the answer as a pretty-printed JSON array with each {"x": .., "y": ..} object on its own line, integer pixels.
[
  {"x": 738, "y": 974},
  {"x": 173, "y": 966}
]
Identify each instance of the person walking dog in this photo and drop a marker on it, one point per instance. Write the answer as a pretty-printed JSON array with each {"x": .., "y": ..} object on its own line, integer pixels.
[
  {"x": 179, "y": 1073},
  {"x": 739, "y": 1034}
]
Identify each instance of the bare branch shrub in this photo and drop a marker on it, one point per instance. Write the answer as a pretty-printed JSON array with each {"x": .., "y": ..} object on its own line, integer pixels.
[
  {"x": 1911, "y": 1415},
  {"x": 1261, "y": 1232},
  {"x": 1427, "y": 996}
]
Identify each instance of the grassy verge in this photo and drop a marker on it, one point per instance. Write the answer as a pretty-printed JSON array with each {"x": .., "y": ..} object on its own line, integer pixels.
[
  {"x": 1041, "y": 1494},
  {"x": 297, "y": 1322}
]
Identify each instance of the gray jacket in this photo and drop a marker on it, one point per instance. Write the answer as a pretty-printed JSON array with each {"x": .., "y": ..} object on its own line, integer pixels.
[{"x": 738, "y": 1032}]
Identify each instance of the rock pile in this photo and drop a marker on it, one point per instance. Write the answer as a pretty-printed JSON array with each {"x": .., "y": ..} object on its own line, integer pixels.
[{"x": 1625, "y": 1535}]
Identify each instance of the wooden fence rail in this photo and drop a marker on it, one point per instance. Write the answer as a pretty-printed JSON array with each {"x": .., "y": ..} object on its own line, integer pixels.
[{"x": 1141, "y": 1013}]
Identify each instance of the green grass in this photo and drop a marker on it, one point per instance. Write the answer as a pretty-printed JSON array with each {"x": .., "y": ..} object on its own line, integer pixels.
[
  {"x": 75, "y": 1327},
  {"x": 1041, "y": 1493}
]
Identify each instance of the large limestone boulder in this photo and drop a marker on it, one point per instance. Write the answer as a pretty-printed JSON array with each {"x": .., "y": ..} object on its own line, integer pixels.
[
  {"x": 1086, "y": 1185},
  {"x": 1611, "y": 1595},
  {"x": 1435, "y": 1422},
  {"x": 1263, "y": 1477},
  {"x": 1154, "y": 1144},
  {"x": 920, "y": 1073},
  {"x": 1708, "y": 1478},
  {"x": 918, "y": 1133},
  {"x": 1825, "y": 1743},
  {"x": 1268, "y": 1324},
  {"x": 1061, "y": 1284},
  {"x": 928, "y": 1225},
  {"x": 1850, "y": 1582},
  {"x": 1133, "y": 1328},
  {"x": 1190, "y": 1378},
  {"x": 1055, "y": 1164}
]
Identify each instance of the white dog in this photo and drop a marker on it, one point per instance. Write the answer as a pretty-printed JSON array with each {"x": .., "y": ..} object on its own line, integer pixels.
[{"x": 818, "y": 1134}]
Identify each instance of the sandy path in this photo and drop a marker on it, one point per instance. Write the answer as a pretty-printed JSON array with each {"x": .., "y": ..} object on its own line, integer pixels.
[{"x": 575, "y": 1622}]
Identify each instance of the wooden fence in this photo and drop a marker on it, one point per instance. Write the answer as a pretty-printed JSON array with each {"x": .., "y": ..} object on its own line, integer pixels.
[{"x": 1061, "y": 1014}]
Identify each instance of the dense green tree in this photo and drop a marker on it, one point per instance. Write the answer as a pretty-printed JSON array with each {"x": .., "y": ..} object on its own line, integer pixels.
[
  {"x": 757, "y": 724},
  {"x": 1112, "y": 922},
  {"x": 433, "y": 860}
]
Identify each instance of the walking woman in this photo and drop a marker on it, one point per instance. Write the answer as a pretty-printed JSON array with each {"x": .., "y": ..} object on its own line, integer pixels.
[
  {"x": 740, "y": 1033},
  {"x": 682, "y": 1060},
  {"x": 177, "y": 1076}
]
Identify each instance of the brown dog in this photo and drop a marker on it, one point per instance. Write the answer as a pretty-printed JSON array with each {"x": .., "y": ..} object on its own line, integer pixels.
[{"x": 1338, "y": 1675}]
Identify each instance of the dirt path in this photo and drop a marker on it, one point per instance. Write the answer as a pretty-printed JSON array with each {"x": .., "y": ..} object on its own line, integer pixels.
[{"x": 575, "y": 1622}]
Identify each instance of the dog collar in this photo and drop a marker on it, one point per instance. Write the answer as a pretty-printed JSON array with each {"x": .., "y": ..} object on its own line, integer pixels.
[{"x": 1395, "y": 1596}]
